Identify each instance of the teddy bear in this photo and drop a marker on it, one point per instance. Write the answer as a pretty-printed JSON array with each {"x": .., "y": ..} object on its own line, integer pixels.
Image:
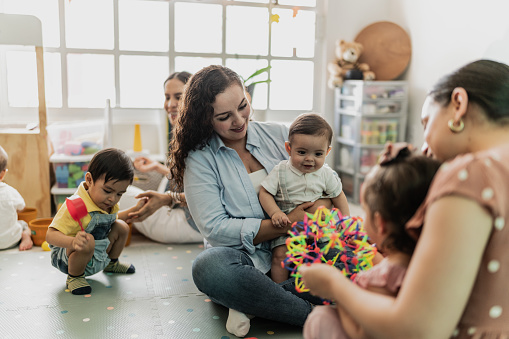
[{"x": 346, "y": 65}]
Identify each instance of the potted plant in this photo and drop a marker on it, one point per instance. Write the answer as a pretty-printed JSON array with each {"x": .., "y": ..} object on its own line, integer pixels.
[{"x": 250, "y": 81}]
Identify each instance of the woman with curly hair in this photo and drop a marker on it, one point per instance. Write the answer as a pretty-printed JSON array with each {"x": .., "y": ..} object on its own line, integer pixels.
[{"x": 220, "y": 157}]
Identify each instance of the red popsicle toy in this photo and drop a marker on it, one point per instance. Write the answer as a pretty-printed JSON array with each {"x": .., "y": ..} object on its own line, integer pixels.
[{"x": 76, "y": 208}]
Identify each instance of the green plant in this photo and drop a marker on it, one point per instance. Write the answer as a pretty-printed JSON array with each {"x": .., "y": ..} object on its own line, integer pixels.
[
  {"x": 256, "y": 73},
  {"x": 251, "y": 85}
]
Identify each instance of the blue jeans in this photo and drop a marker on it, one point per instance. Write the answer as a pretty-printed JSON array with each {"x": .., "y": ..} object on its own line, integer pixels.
[{"x": 229, "y": 278}]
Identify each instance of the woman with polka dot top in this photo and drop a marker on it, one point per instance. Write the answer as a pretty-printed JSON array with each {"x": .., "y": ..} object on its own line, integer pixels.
[{"x": 457, "y": 282}]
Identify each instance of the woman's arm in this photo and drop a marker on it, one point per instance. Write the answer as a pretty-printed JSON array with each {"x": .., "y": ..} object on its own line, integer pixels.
[
  {"x": 437, "y": 284},
  {"x": 267, "y": 230},
  {"x": 127, "y": 214},
  {"x": 144, "y": 164},
  {"x": 154, "y": 201}
]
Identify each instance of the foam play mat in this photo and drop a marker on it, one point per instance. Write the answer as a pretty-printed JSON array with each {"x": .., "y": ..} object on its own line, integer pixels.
[{"x": 159, "y": 301}]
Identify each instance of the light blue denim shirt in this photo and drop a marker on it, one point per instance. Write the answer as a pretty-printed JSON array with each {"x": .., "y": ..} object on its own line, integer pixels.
[{"x": 220, "y": 195}]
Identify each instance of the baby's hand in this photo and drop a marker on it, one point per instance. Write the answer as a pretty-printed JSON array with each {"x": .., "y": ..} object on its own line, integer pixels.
[
  {"x": 280, "y": 220},
  {"x": 80, "y": 241}
]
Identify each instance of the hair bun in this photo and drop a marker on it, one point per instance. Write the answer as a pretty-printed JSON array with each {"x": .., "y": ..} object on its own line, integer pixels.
[{"x": 394, "y": 152}]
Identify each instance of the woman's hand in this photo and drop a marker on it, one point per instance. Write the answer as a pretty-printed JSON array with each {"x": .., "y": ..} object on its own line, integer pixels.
[
  {"x": 155, "y": 201},
  {"x": 298, "y": 212},
  {"x": 322, "y": 279},
  {"x": 144, "y": 164}
]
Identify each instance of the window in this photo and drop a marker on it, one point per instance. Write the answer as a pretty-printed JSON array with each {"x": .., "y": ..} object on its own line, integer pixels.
[{"x": 123, "y": 50}]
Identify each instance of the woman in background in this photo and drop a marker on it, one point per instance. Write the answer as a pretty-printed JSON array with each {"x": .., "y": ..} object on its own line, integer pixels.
[{"x": 164, "y": 217}]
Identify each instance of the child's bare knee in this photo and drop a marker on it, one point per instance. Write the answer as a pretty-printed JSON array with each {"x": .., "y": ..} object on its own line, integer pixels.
[{"x": 120, "y": 227}]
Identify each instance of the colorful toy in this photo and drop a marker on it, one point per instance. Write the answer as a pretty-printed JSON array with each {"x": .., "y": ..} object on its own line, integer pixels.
[
  {"x": 45, "y": 246},
  {"x": 328, "y": 232},
  {"x": 76, "y": 208},
  {"x": 70, "y": 175}
]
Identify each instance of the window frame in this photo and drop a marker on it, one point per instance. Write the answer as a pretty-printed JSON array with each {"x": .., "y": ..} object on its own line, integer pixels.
[{"x": 21, "y": 114}]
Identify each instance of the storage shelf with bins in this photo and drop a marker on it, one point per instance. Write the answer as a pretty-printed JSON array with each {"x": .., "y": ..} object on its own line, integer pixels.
[
  {"x": 367, "y": 114},
  {"x": 69, "y": 172}
]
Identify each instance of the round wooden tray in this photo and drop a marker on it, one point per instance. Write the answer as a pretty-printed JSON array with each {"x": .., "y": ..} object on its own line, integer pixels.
[{"x": 387, "y": 49}]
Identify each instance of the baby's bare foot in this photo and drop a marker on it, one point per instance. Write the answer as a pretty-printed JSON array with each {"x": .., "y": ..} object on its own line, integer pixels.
[{"x": 26, "y": 241}]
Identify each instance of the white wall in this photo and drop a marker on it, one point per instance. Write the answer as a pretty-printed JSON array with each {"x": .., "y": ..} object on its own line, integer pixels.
[{"x": 445, "y": 35}]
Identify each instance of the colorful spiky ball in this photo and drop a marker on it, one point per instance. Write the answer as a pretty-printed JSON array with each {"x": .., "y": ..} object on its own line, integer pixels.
[{"x": 328, "y": 237}]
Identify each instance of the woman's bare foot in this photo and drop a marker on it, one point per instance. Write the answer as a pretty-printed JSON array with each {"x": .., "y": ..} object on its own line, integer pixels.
[{"x": 26, "y": 241}]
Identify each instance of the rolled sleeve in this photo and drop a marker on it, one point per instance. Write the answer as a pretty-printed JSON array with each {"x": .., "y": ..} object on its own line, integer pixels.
[{"x": 250, "y": 228}]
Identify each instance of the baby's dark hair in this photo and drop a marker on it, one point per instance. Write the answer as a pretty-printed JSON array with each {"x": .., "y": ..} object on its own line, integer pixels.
[
  {"x": 396, "y": 190},
  {"x": 113, "y": 163},
  {"x": 3, "y": 159},
  {"x": 310, "y": 124}
]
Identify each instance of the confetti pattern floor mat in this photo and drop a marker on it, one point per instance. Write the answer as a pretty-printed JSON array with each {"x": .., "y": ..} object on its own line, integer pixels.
[{"x": 159, "y": 301}]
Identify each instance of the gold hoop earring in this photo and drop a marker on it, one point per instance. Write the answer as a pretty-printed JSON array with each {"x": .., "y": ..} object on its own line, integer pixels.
[{"x": 456, "y": 128}]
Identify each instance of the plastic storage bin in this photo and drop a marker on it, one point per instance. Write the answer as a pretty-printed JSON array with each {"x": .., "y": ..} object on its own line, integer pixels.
[
  {"x": 367, "y": 115},
  {"x": 77, "y": 138}
]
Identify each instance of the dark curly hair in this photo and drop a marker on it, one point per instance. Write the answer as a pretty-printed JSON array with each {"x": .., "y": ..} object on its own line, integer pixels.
[
  {"x": 193, "y": 129},
  {"x": 486, "y": 83},
  {"x": 396, "y": 191}
]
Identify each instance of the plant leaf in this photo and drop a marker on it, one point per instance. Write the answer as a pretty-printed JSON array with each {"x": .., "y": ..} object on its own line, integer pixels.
[
  {"x": 258, "y": 72},
  {"x": 259, "y": 82}
]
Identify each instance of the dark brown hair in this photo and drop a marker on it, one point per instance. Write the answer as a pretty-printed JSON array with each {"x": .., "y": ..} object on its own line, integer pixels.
[
  {"x": 182, "y": 76},
  {"x": 396, "y": 191},
  {"x": 310, "y": 124},
  {"x": 3, "y": 159},
  {"x": 113, "y": 163},
  {"x": 193, "y": 129},
  {"x": 486, "y": 83}
]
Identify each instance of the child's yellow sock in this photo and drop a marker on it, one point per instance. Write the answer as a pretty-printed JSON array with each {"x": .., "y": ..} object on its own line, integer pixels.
[
  {"x": 78, "y": 285},
  {"x": 116, "y": 266}
]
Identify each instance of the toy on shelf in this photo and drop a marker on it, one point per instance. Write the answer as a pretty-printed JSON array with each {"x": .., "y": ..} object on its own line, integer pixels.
[
  {"x": 346, "y": 65},
  {"x": 70, "y": 174},
  {"x": 323, "y": 232}
]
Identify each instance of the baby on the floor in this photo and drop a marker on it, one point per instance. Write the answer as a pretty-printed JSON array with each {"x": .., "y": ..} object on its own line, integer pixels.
[{"x": 13, "y": 232}]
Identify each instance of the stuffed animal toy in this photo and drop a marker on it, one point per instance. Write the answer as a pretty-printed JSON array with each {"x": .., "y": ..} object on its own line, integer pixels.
[{"x": 346, "y": 65}]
